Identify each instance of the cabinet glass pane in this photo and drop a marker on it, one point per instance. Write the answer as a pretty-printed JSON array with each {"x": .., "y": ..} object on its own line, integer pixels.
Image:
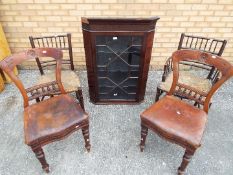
[{"x": 118, "y": 60}]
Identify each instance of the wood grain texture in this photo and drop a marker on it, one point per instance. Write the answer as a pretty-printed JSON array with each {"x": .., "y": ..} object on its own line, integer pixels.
[{"x": 93, "y": 27}]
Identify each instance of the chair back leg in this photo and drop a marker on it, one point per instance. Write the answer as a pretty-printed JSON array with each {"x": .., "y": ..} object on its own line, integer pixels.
[
  {"x": 79, "y": 96},
  {"x": 158, "y": 94}
]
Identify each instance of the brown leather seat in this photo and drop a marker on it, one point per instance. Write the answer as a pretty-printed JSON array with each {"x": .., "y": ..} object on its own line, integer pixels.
[
  {"x": 41, "y": 122},
  {"x": 177, "y": 119}
]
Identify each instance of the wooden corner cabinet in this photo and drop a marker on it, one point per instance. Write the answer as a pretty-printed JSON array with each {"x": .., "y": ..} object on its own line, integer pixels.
[{"x": 118, "y": 53}]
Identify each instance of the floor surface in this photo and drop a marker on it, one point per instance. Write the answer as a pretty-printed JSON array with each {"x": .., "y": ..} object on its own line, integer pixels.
[{"x": 115, "y": 135}]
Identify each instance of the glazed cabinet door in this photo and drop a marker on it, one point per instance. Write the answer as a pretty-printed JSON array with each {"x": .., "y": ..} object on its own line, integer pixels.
[{"x": 117, "y": 66}]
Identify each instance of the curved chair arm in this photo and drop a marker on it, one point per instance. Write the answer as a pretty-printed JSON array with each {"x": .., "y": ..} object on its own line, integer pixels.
[{"x": 168, "y": 67}]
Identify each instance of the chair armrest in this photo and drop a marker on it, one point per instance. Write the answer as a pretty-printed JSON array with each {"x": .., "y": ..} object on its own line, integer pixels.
[
  {"x": 168, "y": 67},
  {"x": 196, "y": 64}
]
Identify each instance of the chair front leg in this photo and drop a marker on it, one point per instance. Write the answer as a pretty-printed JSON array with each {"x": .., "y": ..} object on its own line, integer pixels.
[
  {"x": 144, "y": 132},
  {"x": 41, "y": 157},
  {"x": 85, "y": 131},
  {"x": 186, "y": 159},
  {"x": 79, "y": 96}
]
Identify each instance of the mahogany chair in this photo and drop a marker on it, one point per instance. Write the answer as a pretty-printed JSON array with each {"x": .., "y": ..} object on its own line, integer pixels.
[
  {"x": 180, "y": 122},
  {"x": 69, "y": 78},
  {"x": 203, "y": 83},
  {"x": 51, "y": 119}
]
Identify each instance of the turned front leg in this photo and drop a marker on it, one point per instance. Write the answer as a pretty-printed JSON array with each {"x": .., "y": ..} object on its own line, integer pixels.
[
  {"x": 41, "y": 157},
  {"x": 186, "y": 159},
  {"x": 85, "y": 131},
  {"x": 144, "y": 132}
]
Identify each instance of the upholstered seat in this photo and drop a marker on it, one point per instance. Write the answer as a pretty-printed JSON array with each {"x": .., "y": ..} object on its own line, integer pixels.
[
  {"x": 187, "y": 78},
  {"x": 69, "y": 78},
  {"x": 41, "y": 122},
  {"x": 177, "y": 120}
]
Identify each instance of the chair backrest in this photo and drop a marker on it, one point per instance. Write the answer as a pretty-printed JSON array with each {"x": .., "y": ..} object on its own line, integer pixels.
[
  {"x": 62, "y": 42},
  {"x": 210, "y": 45},
  {"x": 8, "y": 64},
  {"x": 206, "y": 44},
  {"x": 224, "y": 68}
]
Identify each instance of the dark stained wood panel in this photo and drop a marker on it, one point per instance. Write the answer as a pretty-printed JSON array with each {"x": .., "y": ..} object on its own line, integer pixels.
[{"x": 118, "y": 53}]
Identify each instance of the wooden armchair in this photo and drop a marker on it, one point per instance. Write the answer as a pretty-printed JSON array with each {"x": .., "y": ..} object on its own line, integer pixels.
[
  {"x": 174, "y": 119},
  {"x": 54, "y": 118},
  {"x": 204, "y": 82},
  {"x": 69, "y": 78}
]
